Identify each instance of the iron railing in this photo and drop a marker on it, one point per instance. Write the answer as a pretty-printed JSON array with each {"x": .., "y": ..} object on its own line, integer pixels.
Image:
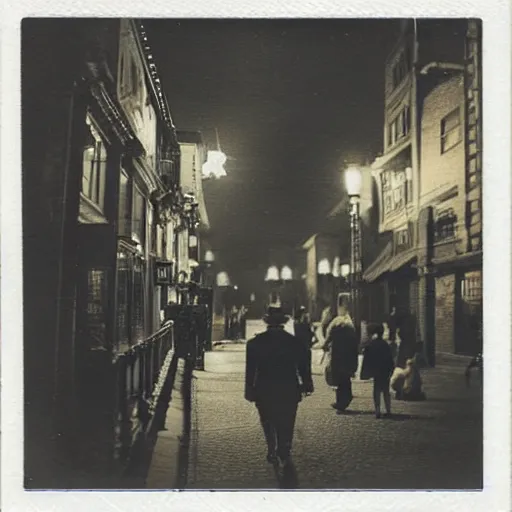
[{"x": 139, "y": 373}]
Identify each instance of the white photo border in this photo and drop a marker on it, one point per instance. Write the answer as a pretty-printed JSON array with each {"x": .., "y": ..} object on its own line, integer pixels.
[{"x": 497, "y": 265}]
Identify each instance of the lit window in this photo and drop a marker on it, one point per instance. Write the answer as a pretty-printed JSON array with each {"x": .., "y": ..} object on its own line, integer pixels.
[
  {"x": 451, "y": 133},
  {"x": 94, "y": 166}
]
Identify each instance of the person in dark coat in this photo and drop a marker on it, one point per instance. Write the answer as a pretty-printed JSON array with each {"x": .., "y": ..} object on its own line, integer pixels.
[
  {"x": 342, "y": 344},
  {"x": 277, "y": 375},
  {"x": 378, "y": 364}
]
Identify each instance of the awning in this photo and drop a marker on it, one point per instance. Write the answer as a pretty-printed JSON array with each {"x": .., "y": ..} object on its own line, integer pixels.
[
  {"x": 380, "y": 265},
  {"x": 386, "y": 262}
]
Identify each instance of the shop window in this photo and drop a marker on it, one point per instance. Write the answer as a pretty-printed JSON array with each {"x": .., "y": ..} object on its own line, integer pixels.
[
  {"x": 138, "y": 295},
  {"x": 138, "y": 216},
  {"x": 451, "y": 133},
  {"x": 96, "y": 308},
  {"x": 94, "y": 166},
  {"x": 445, "y": 227},
  {"x": 124, "y": 220},
  {"x": 124, "y": 277}
]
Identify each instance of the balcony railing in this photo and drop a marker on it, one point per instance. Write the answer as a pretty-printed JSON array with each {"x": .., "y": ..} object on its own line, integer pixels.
[{"x": 141, "y": 372}]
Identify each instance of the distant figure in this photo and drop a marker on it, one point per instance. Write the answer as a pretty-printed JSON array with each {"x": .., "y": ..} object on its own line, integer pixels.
[
  {"x": 342, "y": 346},
  {"x": 277, "y": 375},
  {"x": 233, "y": 323},
  {"x": 242, "y": 321},
  {"x": 378, "y": 364},
  {"x": 391, "y": 321}
]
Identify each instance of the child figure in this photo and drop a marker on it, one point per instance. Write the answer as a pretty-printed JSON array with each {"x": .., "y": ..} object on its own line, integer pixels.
[{"x": 378, "y": 363}]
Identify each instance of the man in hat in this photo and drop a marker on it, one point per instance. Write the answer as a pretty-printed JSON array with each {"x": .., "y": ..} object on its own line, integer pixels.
[{"x": 275, "y": 361}]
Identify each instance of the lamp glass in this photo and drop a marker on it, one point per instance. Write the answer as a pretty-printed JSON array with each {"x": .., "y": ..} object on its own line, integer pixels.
[
  {"x": 345, "y": 270},
  {"x": 286, "y": 273},
  {"x": 336, "y": 267},
  {"x": 324, "y": 267},
  {"x": 209, "y": 257},
  {"x": 353, "y": 181},
  {"x": 272, "y": 274},
  {"x": 222, "y": 279},
  {"x": 214, "y": 165}
]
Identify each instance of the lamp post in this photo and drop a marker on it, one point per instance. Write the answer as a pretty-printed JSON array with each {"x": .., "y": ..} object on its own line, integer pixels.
[{"x": 353, "y": 182}]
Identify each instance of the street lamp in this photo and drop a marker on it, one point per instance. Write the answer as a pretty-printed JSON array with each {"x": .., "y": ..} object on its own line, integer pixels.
[{"x": 353, "y": 182}]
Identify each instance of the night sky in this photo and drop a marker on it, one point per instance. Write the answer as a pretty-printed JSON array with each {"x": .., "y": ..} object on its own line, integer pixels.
[{"x": 292, "y": 100}]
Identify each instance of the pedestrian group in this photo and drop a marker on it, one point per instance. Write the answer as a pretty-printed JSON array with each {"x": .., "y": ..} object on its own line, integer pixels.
[{"x": 278, "y": 369}]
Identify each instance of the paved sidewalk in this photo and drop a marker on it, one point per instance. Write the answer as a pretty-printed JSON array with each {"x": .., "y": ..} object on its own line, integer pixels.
[{"x": 432, "y": 444}]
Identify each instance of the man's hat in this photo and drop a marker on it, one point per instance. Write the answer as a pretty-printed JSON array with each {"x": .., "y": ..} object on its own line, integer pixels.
[{"x": 275, "y": 315}]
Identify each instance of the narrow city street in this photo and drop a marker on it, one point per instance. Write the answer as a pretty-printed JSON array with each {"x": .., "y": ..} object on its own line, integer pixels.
[{"x": 432, "y": 444}]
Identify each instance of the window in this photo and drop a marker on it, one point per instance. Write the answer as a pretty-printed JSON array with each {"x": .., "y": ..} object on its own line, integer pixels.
[
  {"x": 451, "y": 133},
  {"x": 401, "y": 68},
  {"x": 124, "y": 218},
  {"x": 445, "y": 227},
  {"x": 96, "y": 307},
  {"x": 399, "y": 127},
  {"x": 402, "y": 238},
  {"x": 94, "y": 166},
  {"x": 138, "y": 216},
  {"x": 130, "y": 289}
]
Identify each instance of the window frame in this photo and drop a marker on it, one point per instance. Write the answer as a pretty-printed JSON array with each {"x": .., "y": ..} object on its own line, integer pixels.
[
  {"x": 445, "y": 133},
  {"x": 96, "y": 183}
]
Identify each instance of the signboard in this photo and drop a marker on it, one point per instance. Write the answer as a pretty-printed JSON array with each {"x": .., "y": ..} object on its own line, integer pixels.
[{"x": 163, "y": 273}]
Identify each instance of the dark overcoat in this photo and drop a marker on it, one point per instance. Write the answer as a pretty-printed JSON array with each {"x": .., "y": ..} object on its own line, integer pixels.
[
  {"x": 344, "y": 348},
  {"x": 277, "y": 367}
]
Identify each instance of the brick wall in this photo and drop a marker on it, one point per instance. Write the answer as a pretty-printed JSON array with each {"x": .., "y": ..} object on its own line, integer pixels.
[{"x": 445, "y": 313}]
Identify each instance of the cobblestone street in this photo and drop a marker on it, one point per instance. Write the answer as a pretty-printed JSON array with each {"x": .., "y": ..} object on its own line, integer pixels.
[{"x": 337, "y": 452}]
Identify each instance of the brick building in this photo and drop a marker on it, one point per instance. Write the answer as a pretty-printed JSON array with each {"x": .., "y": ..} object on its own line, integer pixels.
[{"x": 426, "y": 194}]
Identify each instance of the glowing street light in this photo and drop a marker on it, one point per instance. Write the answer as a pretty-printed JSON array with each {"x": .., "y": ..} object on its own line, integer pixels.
[
  {"x": 272, "y": 274},
  {"x": 353, "y": 183},
  {"x": 286, "y": 273},
  {"x": 324, "y": 267},
  {"x": 209, "y": 257},
  {"x": 214, "y": 165}
]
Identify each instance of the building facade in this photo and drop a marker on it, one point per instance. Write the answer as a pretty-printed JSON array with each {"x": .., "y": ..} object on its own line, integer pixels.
[
  {"x": 424, "y": 188},
  {"x": 101, "y": 197}
]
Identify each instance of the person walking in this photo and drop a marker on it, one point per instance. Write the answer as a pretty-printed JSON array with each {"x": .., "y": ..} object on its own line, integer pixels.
[
  {"x": 277, "y": 376},
  {"x": 378, "y": 364},
  {"x": 341, "y": 343},
  {"x": 303, "y": 331}
]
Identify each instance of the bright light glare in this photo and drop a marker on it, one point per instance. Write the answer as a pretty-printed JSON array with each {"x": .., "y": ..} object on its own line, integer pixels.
[
  {"x": 286, "y": 273},
  {"x": 222, "y": 279},
  {"x": 345, "y": 270},
  {"x": 353, "y": 181},
  {"x": 324, "y": 267},
  {"x": 272, "y": 274},
  {"x": 214, "y": 165},
  {"x": 336, "y": 267},
  {"x": 209, "y": 257}
]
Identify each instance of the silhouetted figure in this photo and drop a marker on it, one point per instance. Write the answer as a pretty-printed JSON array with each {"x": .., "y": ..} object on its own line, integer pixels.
[
  {"x": 277, "y": 375},
  {"x": 341, "y": 343},
  {"x": 378, "y": 364}
]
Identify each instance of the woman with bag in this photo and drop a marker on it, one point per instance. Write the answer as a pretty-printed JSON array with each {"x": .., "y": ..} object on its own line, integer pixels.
[{"x": 342, "y": 357}]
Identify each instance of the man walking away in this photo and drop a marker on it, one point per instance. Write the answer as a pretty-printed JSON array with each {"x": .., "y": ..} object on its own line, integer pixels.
[
  {"x": 275, "y": 361},
  {"x": 378, "y": 363}
]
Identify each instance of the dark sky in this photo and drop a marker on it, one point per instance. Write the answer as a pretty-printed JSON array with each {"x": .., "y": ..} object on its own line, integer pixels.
[{"x": 291, "y": 99}]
